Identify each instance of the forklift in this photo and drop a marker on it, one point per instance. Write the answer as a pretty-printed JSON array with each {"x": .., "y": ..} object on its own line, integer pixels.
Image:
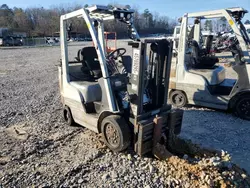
[
  {"x": 196, "y": 79},
  {"x": 123, "y": 98}
]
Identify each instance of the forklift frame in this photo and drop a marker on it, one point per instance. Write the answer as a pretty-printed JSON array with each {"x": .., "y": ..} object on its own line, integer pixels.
[
  {"x": 147, "y": 127},
  {"x": 194, "y": 87}
]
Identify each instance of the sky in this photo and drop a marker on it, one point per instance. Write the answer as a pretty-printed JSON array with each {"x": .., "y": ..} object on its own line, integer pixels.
[{"x": 171, "y": 8}]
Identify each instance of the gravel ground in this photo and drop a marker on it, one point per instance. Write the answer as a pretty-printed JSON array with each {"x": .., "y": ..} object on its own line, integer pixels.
[{"x": 37, "y": 149}]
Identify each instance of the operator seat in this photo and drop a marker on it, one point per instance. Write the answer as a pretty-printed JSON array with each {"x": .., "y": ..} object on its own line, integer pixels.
[
  {"x": 201, "y": 60},
  {"x": 204, "y": 63},
  {"x": 90, "y": 89},
  {"x": 91, "y": 62}
]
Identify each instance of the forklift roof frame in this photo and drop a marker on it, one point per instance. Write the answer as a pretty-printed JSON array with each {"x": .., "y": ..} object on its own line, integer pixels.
[
  {"x": 93, "y": 15},
  {"x": 215, "y": 13}
]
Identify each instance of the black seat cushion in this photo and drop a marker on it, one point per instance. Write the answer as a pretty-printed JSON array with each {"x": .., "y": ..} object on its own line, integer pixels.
[
  {"x": 206, "y": 62},
  {"x": 90, "y": 60}
]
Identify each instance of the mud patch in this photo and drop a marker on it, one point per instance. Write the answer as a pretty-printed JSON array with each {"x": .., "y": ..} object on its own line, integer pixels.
[
  {"x": 4, "y": 160},
  {"x": 18, "y": 132},
  {"x": 4, "y": 72}
]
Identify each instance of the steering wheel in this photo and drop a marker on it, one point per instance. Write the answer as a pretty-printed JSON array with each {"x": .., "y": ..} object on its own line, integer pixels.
[{"x": 117, "y": 53}]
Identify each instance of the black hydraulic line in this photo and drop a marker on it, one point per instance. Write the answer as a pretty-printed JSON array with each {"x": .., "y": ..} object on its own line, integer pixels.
[
  {"x": 151, "y": 57},
  {"x": 157, "y": 62}
]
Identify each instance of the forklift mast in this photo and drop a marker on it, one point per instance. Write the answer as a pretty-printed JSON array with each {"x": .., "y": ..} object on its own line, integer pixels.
[
  {"x": 152, "y": 118},
  {"x": 151, "y": 76}
]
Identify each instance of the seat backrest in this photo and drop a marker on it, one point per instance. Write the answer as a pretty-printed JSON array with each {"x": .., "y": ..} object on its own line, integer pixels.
[
  {"x": 195, "y": 49},
  {"x": 89, "y": 52},
  {"x": 90, "y": 58}
]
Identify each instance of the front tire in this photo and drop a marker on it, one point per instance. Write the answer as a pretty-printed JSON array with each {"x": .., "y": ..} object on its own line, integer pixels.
[
  {"x": 68, "y": 116},
  {"x": 242, "y": 107},
  {"x": 115, "y": 133}
]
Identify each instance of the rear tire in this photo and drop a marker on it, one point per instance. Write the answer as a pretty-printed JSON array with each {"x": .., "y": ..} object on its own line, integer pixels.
[
  {"x": 115, "y": 133},
  {"x": 178, "y": 98},
  {"x": 242, "y": 107},
  {"x": 68, "y": 116}
]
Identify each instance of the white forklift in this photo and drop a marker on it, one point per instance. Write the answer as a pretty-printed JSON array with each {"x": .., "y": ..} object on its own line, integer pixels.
[
  {"x": 195, "y": 77},
  {"x": 123, "y": 98}
]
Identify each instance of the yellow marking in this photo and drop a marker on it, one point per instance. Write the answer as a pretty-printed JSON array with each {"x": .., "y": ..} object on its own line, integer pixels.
[
  {"x": 231, "y": 22},
  {"x": 88, "y": 25}
]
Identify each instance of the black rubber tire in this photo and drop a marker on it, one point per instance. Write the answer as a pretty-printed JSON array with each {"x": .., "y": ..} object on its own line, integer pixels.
[
  {"x": 67, "y": 115},
  {"x": 178, "y": 98},
  {"x": 123, "y": 137},
  {"x": 241, "y": 107}
]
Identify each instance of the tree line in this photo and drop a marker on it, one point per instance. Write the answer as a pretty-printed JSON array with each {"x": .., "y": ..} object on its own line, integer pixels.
[
  {"x": 220, "y": 24},
  {"x": 46, "y": 21}
]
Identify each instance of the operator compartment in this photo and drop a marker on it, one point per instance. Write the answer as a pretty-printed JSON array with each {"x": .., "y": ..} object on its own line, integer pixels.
[
  {"x": 86, "y": 76},
  {"x": 84, "y": 73},
  {"x": 201, "y": 61}
]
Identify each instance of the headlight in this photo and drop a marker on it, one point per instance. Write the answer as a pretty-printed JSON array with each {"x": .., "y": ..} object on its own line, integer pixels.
[{"x": 128, "y": 16}]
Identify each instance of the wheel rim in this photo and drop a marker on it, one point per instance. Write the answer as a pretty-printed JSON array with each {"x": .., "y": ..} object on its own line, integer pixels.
[
  {"x": 178, "y": 99},
  {"x": 244, "y": 107},
  {"x": 112, "y": 135}
]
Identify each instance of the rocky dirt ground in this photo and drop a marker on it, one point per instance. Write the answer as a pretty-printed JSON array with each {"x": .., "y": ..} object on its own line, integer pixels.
[{"x": 37, "y": 149}]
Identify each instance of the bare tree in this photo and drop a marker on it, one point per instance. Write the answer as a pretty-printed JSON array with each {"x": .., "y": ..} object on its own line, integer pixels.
[{"x": 40, "y": 21}]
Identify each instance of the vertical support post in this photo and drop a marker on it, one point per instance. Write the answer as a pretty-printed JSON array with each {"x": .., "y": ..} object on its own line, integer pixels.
[
  {"x": 64, "y": 49},
  {"x": 101, "y": 36},
  {"x": 180, "y": 69},
  {"x": 115, "y": 40},
  {"x": 167, "y": 71},
  {"x": 102, "y": 59},
  {"x": 197, "y": 32}
]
